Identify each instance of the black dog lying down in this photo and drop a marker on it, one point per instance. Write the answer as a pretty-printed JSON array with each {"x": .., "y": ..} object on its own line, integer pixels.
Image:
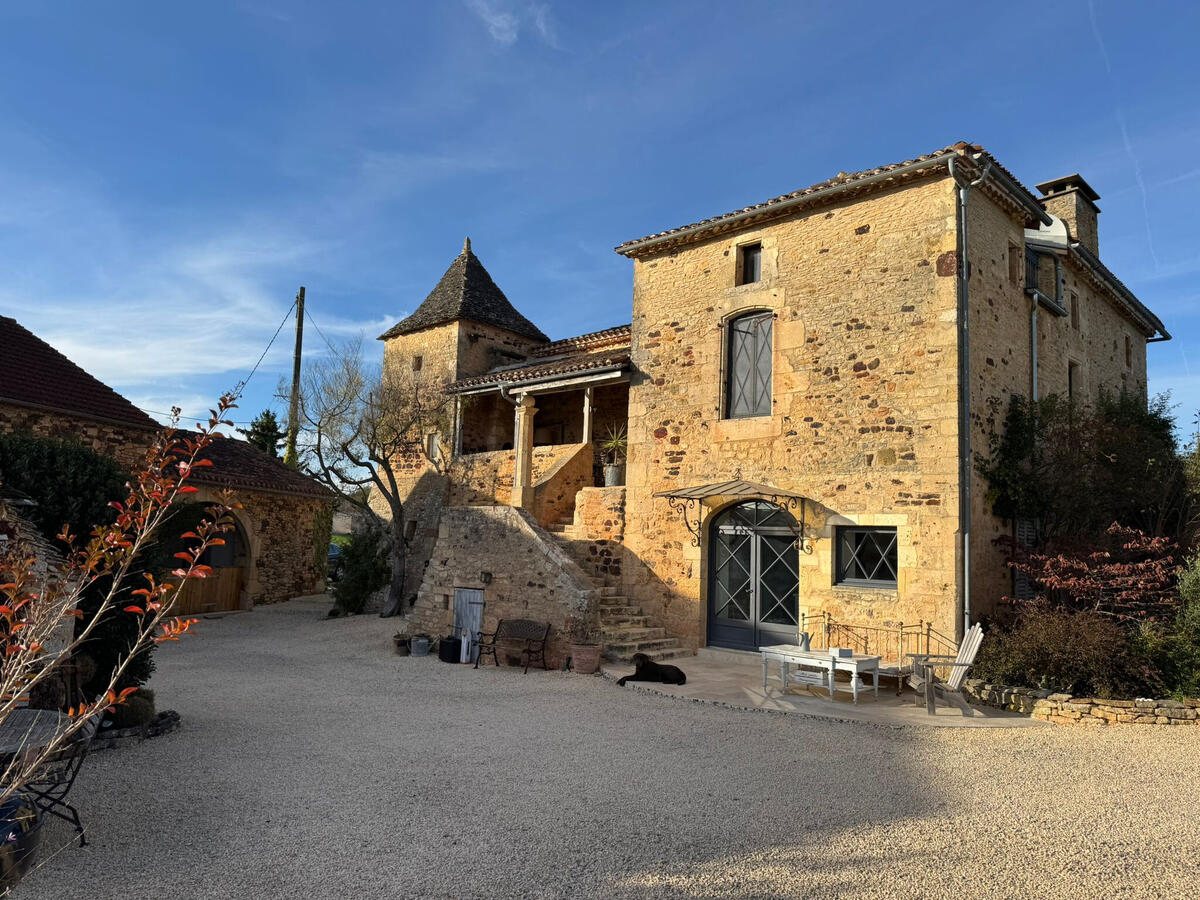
[{"x": 647, "y": 669}]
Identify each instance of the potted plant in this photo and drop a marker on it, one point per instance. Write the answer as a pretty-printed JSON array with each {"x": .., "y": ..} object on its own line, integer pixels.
[
  {"x": 584, "y": 645},
  {"x": 613, "y": 448}
]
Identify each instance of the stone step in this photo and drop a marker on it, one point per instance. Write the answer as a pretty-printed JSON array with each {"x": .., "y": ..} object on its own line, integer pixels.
[
  {"x": 618, "y": 609},
  {"x": 632, "y": 620},
  {"x": 656, "y": 655},
  {"x": 625, "y": 649},
  {"x": 631, "y": 634}
]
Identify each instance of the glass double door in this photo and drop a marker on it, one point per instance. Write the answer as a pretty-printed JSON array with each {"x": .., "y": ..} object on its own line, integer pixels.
[{"x": 754, "y": 581}]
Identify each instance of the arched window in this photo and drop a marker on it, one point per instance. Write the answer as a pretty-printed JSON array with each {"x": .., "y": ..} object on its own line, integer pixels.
[{"x": 748, "y": 382}]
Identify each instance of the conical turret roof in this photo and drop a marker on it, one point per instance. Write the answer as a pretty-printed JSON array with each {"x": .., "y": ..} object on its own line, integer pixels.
[{"x": 466, "y": 291}]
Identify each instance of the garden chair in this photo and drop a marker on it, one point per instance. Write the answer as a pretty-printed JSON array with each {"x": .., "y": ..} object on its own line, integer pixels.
[
  {"x": 54, "y": 781},
  {"x": 925, "y": 681},
  {"x": 528, "y": 635}
]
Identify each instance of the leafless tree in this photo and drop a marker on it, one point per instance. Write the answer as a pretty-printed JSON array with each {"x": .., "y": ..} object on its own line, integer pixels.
[{"x": 368, "y": 425}]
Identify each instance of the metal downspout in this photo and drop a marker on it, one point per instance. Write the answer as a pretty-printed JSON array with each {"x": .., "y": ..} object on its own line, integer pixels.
[
  {"x": 964, "y": 378},
  {"x": 1033, "y": 366}
]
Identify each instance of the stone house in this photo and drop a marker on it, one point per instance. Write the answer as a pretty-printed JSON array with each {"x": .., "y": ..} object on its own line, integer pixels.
[
  {"x": 805, "y": 383},
  {"x": 280, "y": 544}
]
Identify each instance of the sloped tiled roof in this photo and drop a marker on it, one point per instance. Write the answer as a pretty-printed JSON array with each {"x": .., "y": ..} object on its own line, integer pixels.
[
  {"x": 841, "y": 183},
  {"x": 242, "y": 466},
  {"x": 609, "y": 337},
  {"x": 466, "y": 291},
  {"x": 595, "y": 352},
  {"x": 34, "y": 374}
]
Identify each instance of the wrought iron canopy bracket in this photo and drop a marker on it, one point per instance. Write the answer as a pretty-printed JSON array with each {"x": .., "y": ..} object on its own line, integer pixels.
[{"x": 684, "y": 506}]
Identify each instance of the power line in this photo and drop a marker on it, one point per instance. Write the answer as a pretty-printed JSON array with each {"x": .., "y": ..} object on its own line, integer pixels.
[
  {"x": 241, "y": 385},
  {"x": 308, "y": 316}
]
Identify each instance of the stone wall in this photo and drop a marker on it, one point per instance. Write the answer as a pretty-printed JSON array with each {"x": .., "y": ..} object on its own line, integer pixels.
[
  {"x": 1001, "y": 361},
  {"x": 286, "y": 554},
  {"x": 554, "y": 490},
  {"x": 126, "y": 444},
  {"x": 1064, "y": 709},
  {"x": 528, "y": 575},
  {"x": 864, "y": 417},
  {"x": 599, "y": 524}
]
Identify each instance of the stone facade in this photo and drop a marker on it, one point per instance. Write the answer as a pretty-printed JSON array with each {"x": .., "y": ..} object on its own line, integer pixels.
[
  {"x": 501, "y": 551},
  {"x": 864, "y": 416},
  {"x": 868, "y": 378},
  {"x": 1093, "y": 342},
  {"x": 1064, "y": 709},
  {"x": 124, "y": 443}
]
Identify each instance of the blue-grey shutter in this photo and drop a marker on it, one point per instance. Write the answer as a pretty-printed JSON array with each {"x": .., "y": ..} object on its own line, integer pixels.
[{"x": 749, "y": 387}]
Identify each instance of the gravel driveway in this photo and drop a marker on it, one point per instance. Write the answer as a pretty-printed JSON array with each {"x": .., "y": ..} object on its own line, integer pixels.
[{"x": 313, "y": 763}]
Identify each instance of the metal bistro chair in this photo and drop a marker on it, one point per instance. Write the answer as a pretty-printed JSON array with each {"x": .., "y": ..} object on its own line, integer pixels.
[{"x": 54, "y": 781}]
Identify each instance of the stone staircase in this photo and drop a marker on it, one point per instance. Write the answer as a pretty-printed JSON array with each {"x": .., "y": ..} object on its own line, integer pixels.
[{"x": 624, "y": 628}]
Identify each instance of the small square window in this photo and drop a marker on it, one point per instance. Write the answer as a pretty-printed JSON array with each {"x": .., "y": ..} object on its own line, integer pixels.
[
  {"x": 1074, "y": 310},
  {"x": 866, "y": 557},
  {"x": 750, "y": 264},
  {"x": 418, "y": 361}
]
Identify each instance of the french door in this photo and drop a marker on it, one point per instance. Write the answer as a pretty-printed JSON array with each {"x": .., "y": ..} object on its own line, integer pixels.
[{"x": 754, "y": 577}]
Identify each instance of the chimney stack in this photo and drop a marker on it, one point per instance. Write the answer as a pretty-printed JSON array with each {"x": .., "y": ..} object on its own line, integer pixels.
[{"x": 1073, "y": 200}]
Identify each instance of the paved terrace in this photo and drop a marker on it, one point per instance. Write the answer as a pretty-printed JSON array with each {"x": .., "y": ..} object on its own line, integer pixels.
[{"x": 314, "y": 763}]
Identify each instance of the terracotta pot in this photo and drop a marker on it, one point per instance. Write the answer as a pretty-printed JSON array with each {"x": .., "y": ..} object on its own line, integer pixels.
[{"x": 585, "y": 658}]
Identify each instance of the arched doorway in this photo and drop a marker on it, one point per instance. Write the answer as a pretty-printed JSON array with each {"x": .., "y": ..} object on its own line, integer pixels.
[
  {"x": 221, "y": 591},
  {"x": 754, "y": 577}
]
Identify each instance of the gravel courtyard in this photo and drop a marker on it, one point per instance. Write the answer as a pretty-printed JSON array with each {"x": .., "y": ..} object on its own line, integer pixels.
[{"x": 313, "y": 763}]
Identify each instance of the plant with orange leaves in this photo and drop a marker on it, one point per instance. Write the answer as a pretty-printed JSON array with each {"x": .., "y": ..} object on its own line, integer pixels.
[{"x": 36, "y": 609}]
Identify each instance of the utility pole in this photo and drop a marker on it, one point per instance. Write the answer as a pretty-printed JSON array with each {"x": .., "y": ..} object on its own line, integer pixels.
[{"x": 289, "y": 453}]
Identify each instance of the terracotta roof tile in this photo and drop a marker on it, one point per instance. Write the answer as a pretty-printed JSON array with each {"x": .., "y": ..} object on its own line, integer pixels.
[
  {"x": 32, "y": 373},
  {"x": 566, "y": 365},
  {"x": 242, "y": 466}
]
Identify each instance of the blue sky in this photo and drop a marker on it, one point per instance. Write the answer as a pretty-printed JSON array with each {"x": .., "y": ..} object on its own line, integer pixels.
[{"x": 170, "y": 173}]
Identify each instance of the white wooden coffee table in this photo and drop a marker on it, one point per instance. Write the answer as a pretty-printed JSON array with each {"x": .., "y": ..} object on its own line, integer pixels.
[{"x": 818, "y": 667}]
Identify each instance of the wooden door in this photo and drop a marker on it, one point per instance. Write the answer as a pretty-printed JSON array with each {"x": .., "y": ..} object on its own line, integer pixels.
[{"x": 220, "y": 592}]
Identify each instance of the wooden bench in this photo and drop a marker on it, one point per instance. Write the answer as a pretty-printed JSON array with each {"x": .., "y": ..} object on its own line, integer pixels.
[{"x": 530, "y": 635}]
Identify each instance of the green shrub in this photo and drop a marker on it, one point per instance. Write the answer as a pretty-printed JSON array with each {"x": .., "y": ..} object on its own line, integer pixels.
[
  {"x": 1081, "y": 653},
  {"x": 365, "y": 569},
  {"x": 1175, "y": 648}
]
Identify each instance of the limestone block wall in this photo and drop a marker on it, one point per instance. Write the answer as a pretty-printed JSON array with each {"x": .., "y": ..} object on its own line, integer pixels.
[
  {"x": 1001, "y": 360},
  {"x": 864, "y": 418},
  {"x": 1065, "y": 709},
  {"x": 555, "y": 489},
  {"x": 125, "y": 444},
  {"x": 527, "y": 575},
  {"x": 599, "y": 525},
  {"x": 290, "y": 541}
]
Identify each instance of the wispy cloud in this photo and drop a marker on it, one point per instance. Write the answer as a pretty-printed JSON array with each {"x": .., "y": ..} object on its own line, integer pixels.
[
  {"x": 504, "y": 20},
  {"x": 1120, "y": 116}
]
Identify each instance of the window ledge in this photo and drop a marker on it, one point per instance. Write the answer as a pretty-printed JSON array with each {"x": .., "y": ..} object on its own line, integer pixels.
[{"x": 887, "y": 588}]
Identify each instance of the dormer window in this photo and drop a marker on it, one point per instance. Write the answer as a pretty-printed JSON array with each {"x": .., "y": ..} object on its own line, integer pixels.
[{"x": 749, "y": 263}]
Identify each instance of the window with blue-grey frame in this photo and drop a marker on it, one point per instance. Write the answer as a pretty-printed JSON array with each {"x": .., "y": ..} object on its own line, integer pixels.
[
  {"x": 748, "y": 379},
  {"x": 866, "y": 557}
]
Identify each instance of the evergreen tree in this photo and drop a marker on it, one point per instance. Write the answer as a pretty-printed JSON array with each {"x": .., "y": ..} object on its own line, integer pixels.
[{"x": 264, "y": 433}]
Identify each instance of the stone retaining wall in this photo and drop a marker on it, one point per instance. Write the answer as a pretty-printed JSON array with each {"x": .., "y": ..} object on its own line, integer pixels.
[{"x": 1065, "y": 709}]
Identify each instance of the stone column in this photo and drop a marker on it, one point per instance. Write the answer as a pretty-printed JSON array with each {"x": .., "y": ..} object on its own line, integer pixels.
[
  {"x": 458, "y": 426},
  {"x": 587, "y": 416},
  {"x": 522, "y": 491}
]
